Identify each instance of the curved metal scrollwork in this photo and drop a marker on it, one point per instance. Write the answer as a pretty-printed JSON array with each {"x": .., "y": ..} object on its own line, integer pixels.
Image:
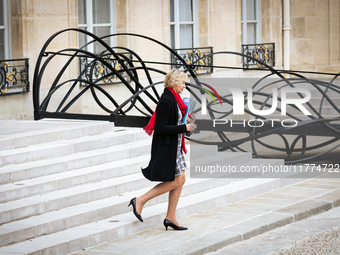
[
  {"x": 201, "y": 59},
  {"x": 3, "y": 78},
  {"x": 142, "y": 91},
  {"x": 14, "y": 76},
  {"x": 100, "y": 70},
  {"x": 265, "y": 53}
]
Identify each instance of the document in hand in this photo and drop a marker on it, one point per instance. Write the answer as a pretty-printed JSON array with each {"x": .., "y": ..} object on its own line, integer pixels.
[{"x": 190, "y": 107}]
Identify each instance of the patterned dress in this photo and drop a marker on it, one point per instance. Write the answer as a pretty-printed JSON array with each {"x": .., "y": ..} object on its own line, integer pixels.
[{"x": 180, "y": 160}]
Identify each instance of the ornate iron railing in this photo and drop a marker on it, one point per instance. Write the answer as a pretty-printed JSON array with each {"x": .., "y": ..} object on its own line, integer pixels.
[
  {"x": 200, "y": 60},
  {"x": 264, "y": 53},
  {"x": 92, "y": 69},
  {"x": 144, "y": 97},
  {"x": 14, "y": 76}
]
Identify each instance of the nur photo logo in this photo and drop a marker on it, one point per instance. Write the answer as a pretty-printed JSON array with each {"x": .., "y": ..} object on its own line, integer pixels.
[
  {"x": 239, "y": 101},
  {"x": 275, "y": 102}
]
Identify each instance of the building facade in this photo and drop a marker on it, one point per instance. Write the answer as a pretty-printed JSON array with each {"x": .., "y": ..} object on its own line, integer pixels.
[{"x": 305, "y": 35}]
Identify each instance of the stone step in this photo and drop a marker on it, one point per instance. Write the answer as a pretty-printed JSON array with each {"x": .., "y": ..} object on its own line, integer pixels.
[
  {"x": 122, "y": 225},
  {"x": 26, "y": 133},
  {"x": 29, "y": 170},
  {"x": 316, "y": 101},
  {"x": 199, "y": 151},
  {"x": 52, "y": 222},
  {"x": 63, "y": 180},
  {"x": 326, "y": 110},
  {"x": 67, "y": 147},
  {"x": 259, "y": 225},
  {"x": 58, "y": 181},
  {"x": 221, "y": 159},
  {"x": 57, "y": 199},
  {"x": 277, "y": 117},
  {"x": 13, "y": 173},
  {"x": 315, "y": 93}
]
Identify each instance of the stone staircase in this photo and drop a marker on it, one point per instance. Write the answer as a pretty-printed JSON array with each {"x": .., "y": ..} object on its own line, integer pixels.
[{"x": 66, "y": 187}]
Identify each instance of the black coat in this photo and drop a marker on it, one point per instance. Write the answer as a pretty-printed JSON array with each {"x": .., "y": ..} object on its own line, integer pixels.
[{"x": 162, "y": 165}]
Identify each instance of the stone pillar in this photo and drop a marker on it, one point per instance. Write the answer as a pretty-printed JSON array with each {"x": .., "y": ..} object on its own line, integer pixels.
[
  {"x": 286, "y": 34},
  {"x": 32, "y": 23}
]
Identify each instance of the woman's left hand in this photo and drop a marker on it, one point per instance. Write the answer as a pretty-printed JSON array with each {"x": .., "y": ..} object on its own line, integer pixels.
[{"x": 192, "y": 118}]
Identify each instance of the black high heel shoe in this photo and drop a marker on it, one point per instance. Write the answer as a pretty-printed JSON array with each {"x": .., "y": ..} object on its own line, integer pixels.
[
  {"x": 133, "y": 203},
  {"x": 168, "y": 223}
]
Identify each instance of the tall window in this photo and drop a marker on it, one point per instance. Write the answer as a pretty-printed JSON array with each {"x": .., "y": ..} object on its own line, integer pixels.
[
  {"x": 183, "y": 23},
  {"x": 251, "y": 21},
  {"x": 97, "y": 17},
  {"x": 4, "y": 30}
]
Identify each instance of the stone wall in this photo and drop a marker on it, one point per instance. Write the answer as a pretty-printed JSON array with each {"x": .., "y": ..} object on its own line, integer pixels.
[
  {"x": 32, "y": 22},
  {"x": 315, "y": 35},
  {"x": 271, "y": 27},
  {"x": 315, "y": 26}
]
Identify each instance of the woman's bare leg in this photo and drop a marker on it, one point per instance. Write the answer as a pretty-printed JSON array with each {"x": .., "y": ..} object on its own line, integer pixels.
[
  {"x": 159, "y": 189},
  {"x": 173, "y": 201}
]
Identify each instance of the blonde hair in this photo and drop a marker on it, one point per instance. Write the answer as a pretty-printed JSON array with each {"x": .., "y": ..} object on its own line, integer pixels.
[{"x": 174, "y": 78}]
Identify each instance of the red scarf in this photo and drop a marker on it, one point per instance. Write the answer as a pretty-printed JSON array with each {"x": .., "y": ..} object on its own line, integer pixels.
[{"x": 151, "y": 125}]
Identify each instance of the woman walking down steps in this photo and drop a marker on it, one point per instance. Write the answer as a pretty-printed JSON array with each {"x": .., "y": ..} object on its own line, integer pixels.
[{"x": 167, "y": 163}]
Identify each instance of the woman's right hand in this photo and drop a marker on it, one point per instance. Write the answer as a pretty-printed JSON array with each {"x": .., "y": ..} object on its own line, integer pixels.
[{"x": 191, "y": 127}]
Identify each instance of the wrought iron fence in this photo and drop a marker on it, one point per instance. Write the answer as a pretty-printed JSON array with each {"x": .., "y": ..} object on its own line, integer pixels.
[
  {"x": 200, "y": 60},
  {"x": 14, "y": 76},
  {"x": 264, "y": 52},
  {"x": 136, "y": 110},
  {"x": 91, "y": 69}
]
